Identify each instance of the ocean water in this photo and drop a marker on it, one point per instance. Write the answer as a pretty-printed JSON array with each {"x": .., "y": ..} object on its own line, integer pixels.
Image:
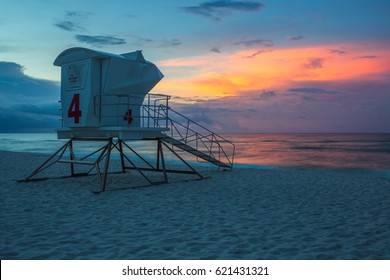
[
  {"x": 340, "y": 151},
  {"x": 329, "y": 151}
]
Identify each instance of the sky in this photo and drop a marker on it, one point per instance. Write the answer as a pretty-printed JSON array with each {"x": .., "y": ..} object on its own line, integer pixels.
[{"x": 306, "y": 66}]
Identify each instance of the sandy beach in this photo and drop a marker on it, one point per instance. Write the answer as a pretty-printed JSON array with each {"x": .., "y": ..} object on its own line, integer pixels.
[{"x": 242, "y": 214}]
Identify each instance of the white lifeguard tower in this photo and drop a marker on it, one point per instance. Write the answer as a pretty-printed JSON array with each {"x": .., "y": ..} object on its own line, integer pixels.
[{"x": 105, "y": 98}]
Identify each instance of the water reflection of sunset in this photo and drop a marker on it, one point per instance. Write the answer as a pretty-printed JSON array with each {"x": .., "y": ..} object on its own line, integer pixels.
[{"x": 313, "y": 150}]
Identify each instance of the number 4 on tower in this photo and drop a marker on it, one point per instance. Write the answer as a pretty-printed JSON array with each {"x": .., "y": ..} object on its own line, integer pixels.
[{"x": 74, "y": 108}]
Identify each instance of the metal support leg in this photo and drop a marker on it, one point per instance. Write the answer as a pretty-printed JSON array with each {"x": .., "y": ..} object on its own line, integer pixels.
[
  {"x": 72, "y": 157},
  {"x": 101, "y": 164},
  {"x": 43, "y": 165},
  {"x": 189, "y": 166},
  {"x": 161, "y": 153},
  {"x": 158, "y": 155},
  {"x": 106, "y": 164},
  {"x": 137, "y": 154},
  {"x": 121, "y": 155},
  {"x": 120, "y": 143}
]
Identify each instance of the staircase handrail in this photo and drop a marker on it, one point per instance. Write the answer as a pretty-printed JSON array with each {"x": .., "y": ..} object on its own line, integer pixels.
[
  {"x": 184, "y": 131},
  {"x": 212, "y": 137}
]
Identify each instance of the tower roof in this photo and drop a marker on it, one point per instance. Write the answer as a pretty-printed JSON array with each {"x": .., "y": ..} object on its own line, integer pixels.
[{"x": 76, "y": 54}]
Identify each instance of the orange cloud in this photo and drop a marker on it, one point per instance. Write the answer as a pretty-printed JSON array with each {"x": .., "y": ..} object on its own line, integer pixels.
[{"x": 212, "y": 76}]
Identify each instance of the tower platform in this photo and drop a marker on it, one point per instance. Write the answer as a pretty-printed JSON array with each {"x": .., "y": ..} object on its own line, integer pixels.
[{"x": 124, "y": 133}]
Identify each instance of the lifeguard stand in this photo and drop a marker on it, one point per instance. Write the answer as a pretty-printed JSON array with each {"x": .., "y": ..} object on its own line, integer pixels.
[
  {"x": 105, "y": 97},
  {"x": 102, "y": 93}
]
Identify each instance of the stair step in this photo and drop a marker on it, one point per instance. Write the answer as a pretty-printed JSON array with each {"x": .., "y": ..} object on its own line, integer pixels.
[{"x": 195, "y": 152}]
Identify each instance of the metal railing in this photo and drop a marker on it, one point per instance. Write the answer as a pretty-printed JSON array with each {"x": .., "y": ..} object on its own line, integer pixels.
[
  {"x": 148, "y": 112},
  {"x": 193, "y": 134},
  {"x": 155, "y": 110},
  {"x": 202, "y": 139}
]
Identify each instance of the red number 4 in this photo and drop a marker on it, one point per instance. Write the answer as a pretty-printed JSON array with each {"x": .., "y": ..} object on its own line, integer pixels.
[{"x": 74, "y": 108}]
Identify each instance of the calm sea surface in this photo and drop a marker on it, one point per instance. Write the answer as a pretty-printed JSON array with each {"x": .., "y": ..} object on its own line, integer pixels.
[
  {"x": 348, "y": 151},
  {"x": 352, "y": 151}
]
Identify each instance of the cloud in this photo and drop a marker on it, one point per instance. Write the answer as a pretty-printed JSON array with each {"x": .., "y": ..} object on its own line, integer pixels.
[
  {"x": 336, "y": 51},
  {"x": 12, "y": 121},
  {"x": 215, "y": 10},
  {"x": 67, "y": 25},
  {"x": 295, "y": 38},
  {"x": 48, "y": 109},
  {"x": 313, "y": 90},
  {"x": 256, "y": 54},
  {"x": 129, "y": 16},
  {"x": 142, "y": 41},
  {"x": 268, "y": 94},
  {"x": 196, "y": 112},
  {"x": 255, "y": 42},
  {"x": 170, "y": 43},
  {"x": 10, "y": 69},
  {"x": 165, "y": 43},
  {"x": 314, "y": 63},
  {"x": 254, "y": 95},
  {"x": 211, "y": 75},
  {"x": 215, "y": 49},
  {"x": 16, "y": 87},
  {"x": 311, "y": 109},
  {"x": 366, "y": 57},
  {"x": 72, "y": 21},
  {"x": 99, "y": 41},
  {"x": 332, "y": 97},
  {"x": 315, "y": 106},
  {"x": 27, "y": 103}
]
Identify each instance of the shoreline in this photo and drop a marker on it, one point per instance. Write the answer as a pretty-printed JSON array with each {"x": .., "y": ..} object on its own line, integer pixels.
[
  {"x": 339, "y": 151},
  {"x": 257, "y": 166},
  {"x": 240, "y": 214}
]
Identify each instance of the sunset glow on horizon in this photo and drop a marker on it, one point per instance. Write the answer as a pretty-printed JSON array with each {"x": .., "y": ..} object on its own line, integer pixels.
[{"x": 217, "y": 75}]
